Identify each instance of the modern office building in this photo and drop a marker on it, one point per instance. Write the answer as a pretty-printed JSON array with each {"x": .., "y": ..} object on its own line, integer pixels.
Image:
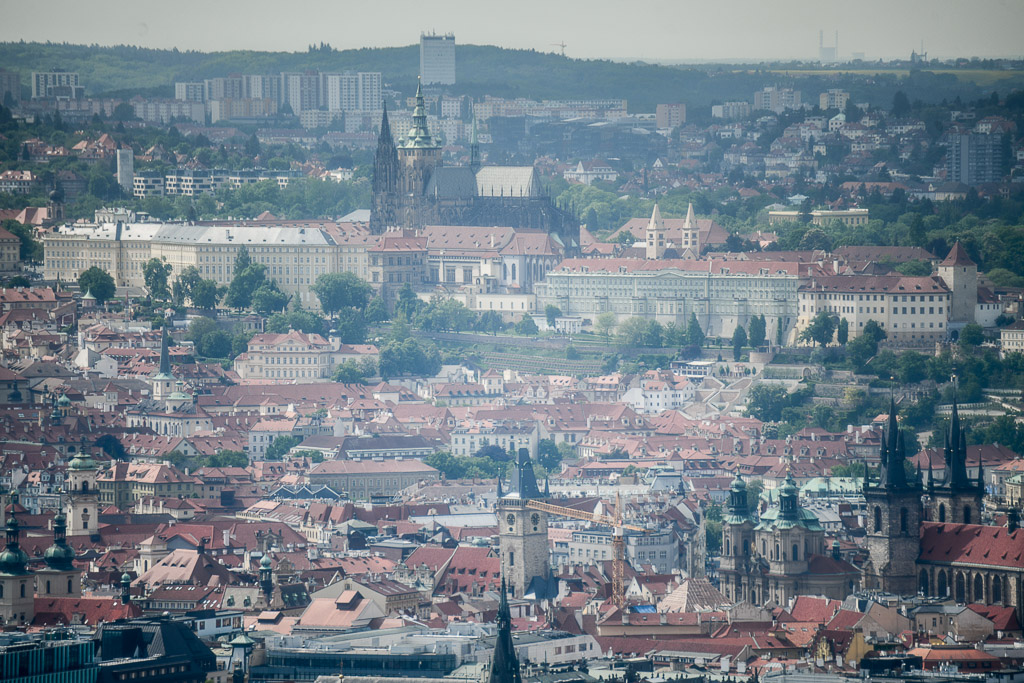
[{"x": 437, "y": 59}]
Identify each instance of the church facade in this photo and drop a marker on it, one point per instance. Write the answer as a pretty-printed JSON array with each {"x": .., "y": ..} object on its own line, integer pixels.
[{"x": 412, "y": 188}]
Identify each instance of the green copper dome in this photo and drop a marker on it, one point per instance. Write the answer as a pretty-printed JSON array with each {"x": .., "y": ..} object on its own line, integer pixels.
[
  {"x": 59, "y": 556},
  {"x": 83, "y": 461},
  {"x": 64, "y": 401},
  {"x": 13, "y": 559},
  {"x": 265, "y": 562}
]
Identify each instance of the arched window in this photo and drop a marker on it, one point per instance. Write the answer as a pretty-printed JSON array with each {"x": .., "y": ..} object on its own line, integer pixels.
[
  {"x": 878, "y": 519},
  {"x": 23, "y": 590},
  {"x": 960, "y": 588},
  {"x": 997, "y": 590},
  {"x": 47, "y": 587},
  {"x": 943, "y": 585},
  {"x": 807, "y": 548},
  {"x": 1, "y": 590},
  {"x": 942, "y": 512},
  {"x": 967, "y": 514},
  {"x": 979, "y": 589},
  {"x": 71, "y": 585},
  {"x": 728, "y": 546},
  {"x": 746, "y": 547},
  {"x": 777, "y": 552},
  {"x": 904, "y": 521},
  {"x": 796, "y": 552},
  {"x": 764, "y": 548},
  {"x": 923, "y": 584}
]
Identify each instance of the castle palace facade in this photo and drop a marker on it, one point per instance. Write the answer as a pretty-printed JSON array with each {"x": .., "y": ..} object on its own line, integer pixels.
[{"x": 412, "y": 188}]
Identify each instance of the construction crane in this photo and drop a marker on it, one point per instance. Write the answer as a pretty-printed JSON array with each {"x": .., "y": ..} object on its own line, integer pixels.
[
  {"x": 618, "y": 539},
  {"x": 561, "y": 45}
]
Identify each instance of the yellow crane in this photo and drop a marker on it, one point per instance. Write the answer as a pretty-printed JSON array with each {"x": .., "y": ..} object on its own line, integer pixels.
[{"x": 618, "y": 538}]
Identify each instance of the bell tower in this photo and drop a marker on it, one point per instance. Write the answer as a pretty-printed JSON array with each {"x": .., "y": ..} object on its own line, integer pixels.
[
  {"x": 894, "y": 517},
  {"x": 737, "y": 543},
  {"x": 523, "y": 531},
  {"x": 956, "y": 498},
  {"x": 83, "y": 503},
  {"x": 17, "y": 601},
  {"x": 59, "y": 578}
]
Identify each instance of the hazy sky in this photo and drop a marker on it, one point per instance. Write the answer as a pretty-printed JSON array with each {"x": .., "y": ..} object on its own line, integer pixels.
[{"x": 614, "y": 29}]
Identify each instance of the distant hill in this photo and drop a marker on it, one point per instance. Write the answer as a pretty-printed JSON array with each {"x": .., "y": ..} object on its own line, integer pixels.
[{"x": 126, "y": 70}]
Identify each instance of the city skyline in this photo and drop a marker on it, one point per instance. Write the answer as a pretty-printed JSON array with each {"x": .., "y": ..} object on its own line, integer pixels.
[{"x": 691, "y": 31}]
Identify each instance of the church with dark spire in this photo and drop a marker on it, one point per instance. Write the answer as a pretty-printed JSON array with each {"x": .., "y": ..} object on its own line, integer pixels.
[
  {"x": 504, "y": 663},
  {"x": 956, "y": 497},
  {"x": 523, "y": 535},
  {"x": 894, "y": 516},
  {"x": 413, "y": 188}
]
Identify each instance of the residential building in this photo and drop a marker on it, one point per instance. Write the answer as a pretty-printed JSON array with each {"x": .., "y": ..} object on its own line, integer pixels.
[
  {"x": 10, "y": 252},
  {"x": 1011, "y": 338},
  {"x": 361, "y": 479},
  {"x": 399, "y": 257},
  {"x": 722, "y": 294},
  {"x": 776, "y": 99},
  {"x": 833, "y": 98},
  {"x": 350, "y": 91},
  {"x": 670, "y": 115},
  {"x": 849, "y": 217},
  {"x": 975, "y": 158},
  {"x": 190, "y": 92},
  {"x": 437, "y": 59},
  {"x": 19, "y": 182},
  {"x": 300, "y": 90},
  {"x": 730, "y": 110},
  {"x": 658, "y": 549},
  {"x": 587, "y": 172},
  {"x": 294, "y": 355},
  {"x": 56, "y": 84},
  {"x": 913, "y": 310},
  {"x": 10, "y": 87}
]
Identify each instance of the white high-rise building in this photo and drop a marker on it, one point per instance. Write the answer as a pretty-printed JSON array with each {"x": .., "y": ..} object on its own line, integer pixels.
[
  {"x": 353, "y": 91},
  {"x": 126, "y": 169},
  {"x": 437, "y": 59}
]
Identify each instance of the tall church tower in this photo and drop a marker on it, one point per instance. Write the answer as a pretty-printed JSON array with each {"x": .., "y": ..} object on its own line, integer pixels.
[
  {"x": 17, "y": 602},
  {"x": 894, "y": 517},
  {"x": 418, "y": 155},
  {"x": 504, "y": 663},
  {"x": 162, "y": 383},
  {"x": 59, "y": 578},
  {"x": 737, "y": 543},
  {"x": 83, "y": 504},
  {"x": 960, "y": 274},
  {"x": 956, "y": 498},
  {"x": 523, "y": 532},
  {"x": 655, "y": 235},
  {"x": 386, "y": 172}
]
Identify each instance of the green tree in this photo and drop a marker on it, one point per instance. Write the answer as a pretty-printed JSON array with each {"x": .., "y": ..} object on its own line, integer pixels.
[
  {"x": 281, "y": 445},
  {"x": 341, "y": 290},
  {"x": 767, "y": 401},
  {"x": 268, "y": 298},
  {"x": 155, "y": 273},
  {"x": 407, "y": 304},
  {"x": 351, "y": 372},
  {"x": 97, "y": 281},
  {"x": 551, "y": 313},
  {"x": 900, "y": 105},
  {"x": 739, "y": 340},
  {"x": 972, "y": 334},
  {"x": 227, "y": 458},
  {"x": 490, "y": 322},
  {"x": 198, "y": 328},
  {"x": 526, "y": 326},
  {"x": 637, "y": 331},
  {"x": 820, "y": 330},
  {"x": 215, "y": 344},
  {"x": 301, "y": 320},
  {"x": 694, "y": 333},
  {"x": 350, "y": 325},
  {"x": 843, "y": 331},
  {"x": 244, "y": 285},
  {"x": 110, "y": 445},
  {"x": 754, "y": 489},
  {"x": 605, "y": 323},
  {"x": 184, "y": 284},
  {"x": 757, "y": 330},
  {"x": 376, "y": 310},
  {"x": 242, "y": 260},
  {"x": 205, "y": 294}
]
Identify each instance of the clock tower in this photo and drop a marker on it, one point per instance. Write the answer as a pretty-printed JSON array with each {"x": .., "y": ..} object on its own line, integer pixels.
[{"x": 523, "y": 534}]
